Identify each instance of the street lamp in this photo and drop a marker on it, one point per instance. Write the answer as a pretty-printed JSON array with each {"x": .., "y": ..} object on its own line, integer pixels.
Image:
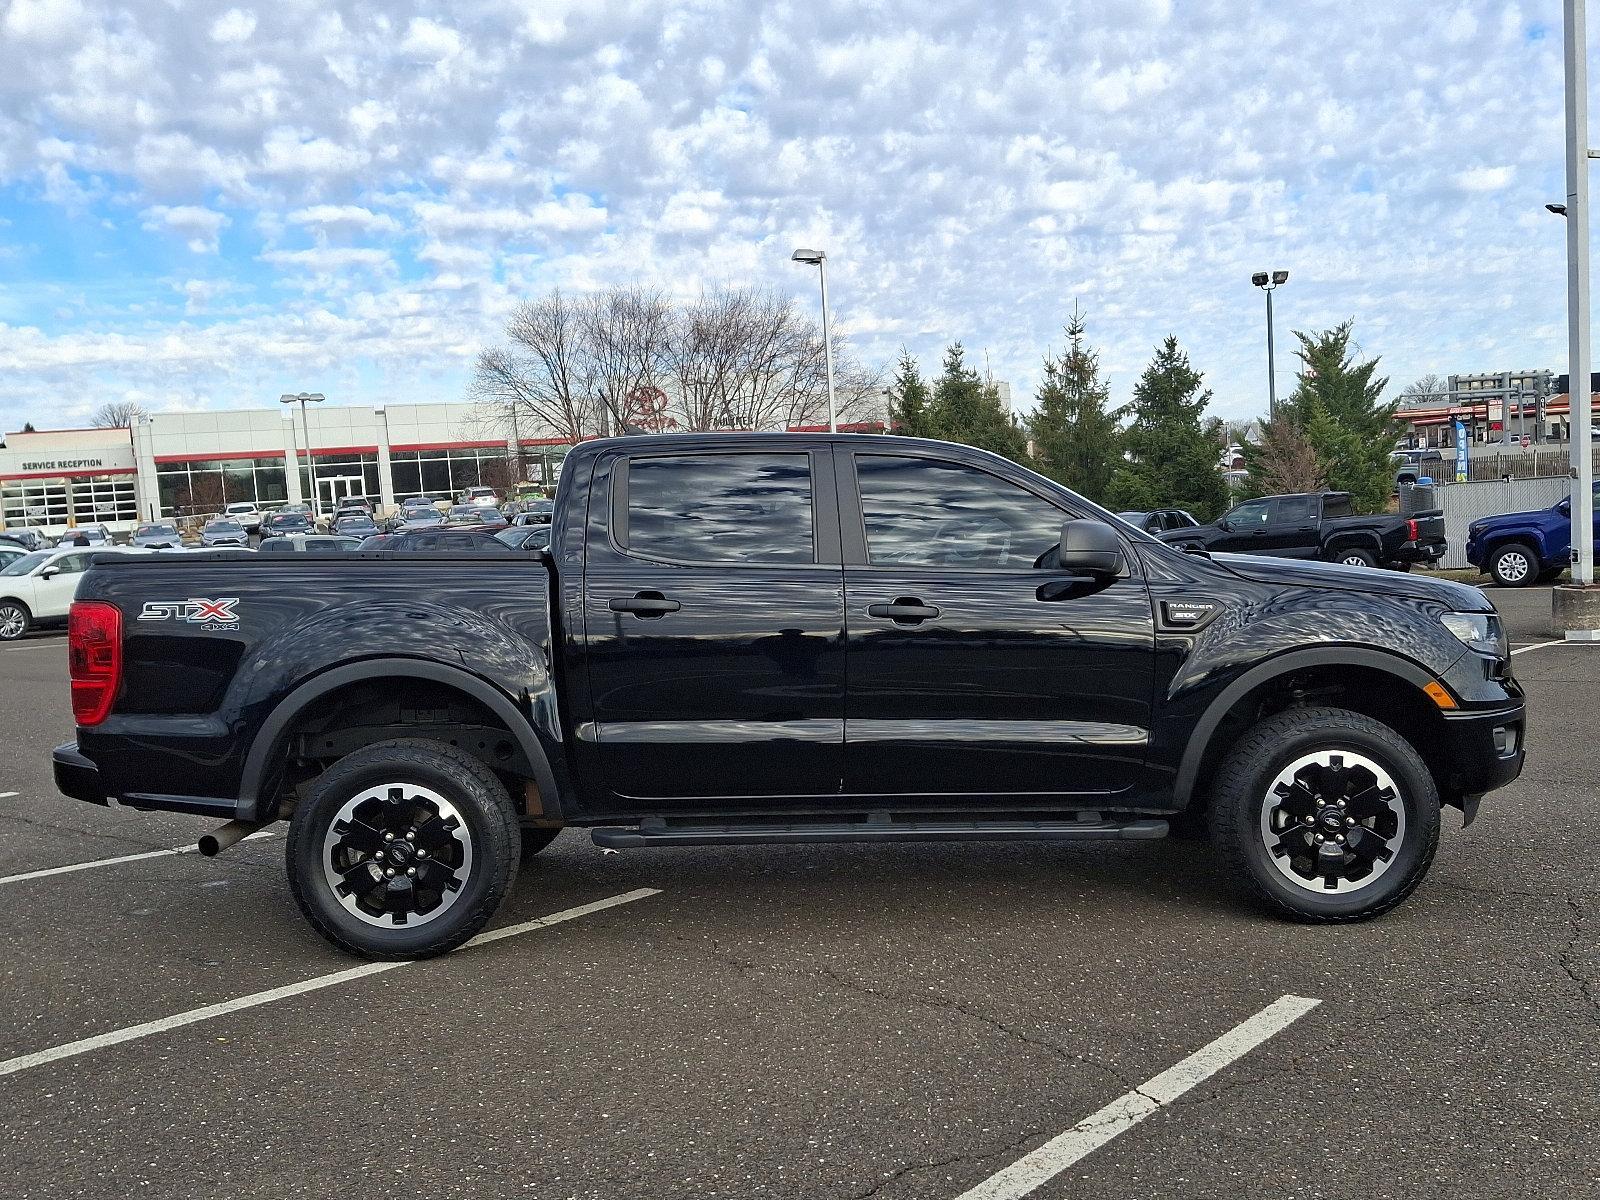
[
  {"x": 1269, "y": 284},
  {"x": 819, "y": 258},
  {"x": 304, "y": 398}
]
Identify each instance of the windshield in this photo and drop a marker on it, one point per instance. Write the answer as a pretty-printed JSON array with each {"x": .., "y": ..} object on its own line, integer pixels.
[
  {"x": 27, "y": 563},
  {"x": 157, "y": 531},
  {"x": 225, "y": 527}
]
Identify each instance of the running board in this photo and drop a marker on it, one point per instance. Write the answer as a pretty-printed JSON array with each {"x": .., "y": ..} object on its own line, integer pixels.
[{"x": 657, "y": 832}]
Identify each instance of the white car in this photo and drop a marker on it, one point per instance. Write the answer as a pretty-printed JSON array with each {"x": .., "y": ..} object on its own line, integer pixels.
[
  {"x": 481, "y": 496},
  {"x": 246, "y": 514},
  {"x": 37, "y": 589}
]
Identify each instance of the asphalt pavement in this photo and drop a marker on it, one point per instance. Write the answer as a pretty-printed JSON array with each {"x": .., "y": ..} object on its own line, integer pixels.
[{"x": 834, "y": 1022}]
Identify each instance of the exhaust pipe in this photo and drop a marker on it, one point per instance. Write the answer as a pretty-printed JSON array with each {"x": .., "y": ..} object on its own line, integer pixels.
[{"x": 219, "y": 839}]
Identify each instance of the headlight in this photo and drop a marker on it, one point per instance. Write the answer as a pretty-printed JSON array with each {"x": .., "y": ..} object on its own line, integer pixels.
[{"x": 1483, "y": 632}]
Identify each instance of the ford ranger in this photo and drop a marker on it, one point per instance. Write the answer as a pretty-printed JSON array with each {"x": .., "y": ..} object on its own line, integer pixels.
[{"x": 791, "y": 639}]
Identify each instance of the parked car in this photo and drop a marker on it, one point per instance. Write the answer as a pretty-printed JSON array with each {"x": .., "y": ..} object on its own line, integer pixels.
[
  {"x": 1412, "y": 465},
  {"x": 482, "y": 496},
  {"x": 446, "y": 538},
  {"x": 245, "y": 513},
  {"x": 724, "y": 649},
  {"x": 1319, "y": 525},
  {"x": 535, "y": 512},
  {"x": 1159, "y": 521},
  {"x": 356, "y": 523},
  {"x": 309, "y": 543},
  {"x": 474, "y": 516},
  {"x": 420, "y": 501},
  {"x": 224, "y": 532},
  {"x": 28, "y": 539},
  {"x": 36, "y": 590},
  {"x": 157, "y": 535},
  {"x": 415, "y": 518},
  {"x": 286, "y": 523},
  {"x": 9, "y": 553},
  {"x": 87, "y": 536},
  {"x": 525, "y": 537},
  {"x": 1522, "y": 548}
]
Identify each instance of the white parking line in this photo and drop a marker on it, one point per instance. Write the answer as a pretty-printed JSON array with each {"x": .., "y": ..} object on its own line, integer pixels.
[
  {"x": 117, "y": 1036},
  {"x": 111, "y": 862},
  {"x": 1538, "y": 646},
  {"x": 1060, "y": 1152},
  {"x": 8, "y": 795}
]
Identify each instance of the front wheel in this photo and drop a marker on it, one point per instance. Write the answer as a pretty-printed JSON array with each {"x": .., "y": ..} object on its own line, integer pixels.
[
  {"x": 14, "y": 621},
  {"x": 1328, "y": 815},
  {"x": 403, "y": 850},
  {"x": 1513, "y": 565}
]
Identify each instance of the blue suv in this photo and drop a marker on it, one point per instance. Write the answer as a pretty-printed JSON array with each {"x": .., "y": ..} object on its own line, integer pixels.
[{"x": 1518, "y": 549}]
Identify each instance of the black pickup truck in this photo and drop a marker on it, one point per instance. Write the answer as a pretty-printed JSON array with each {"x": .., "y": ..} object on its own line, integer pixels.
[
  {"x": 1320, "y": 525},
  {"x": 787, "y": 638}
]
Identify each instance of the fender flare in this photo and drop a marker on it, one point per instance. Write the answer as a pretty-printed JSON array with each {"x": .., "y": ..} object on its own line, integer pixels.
[
  {"x": 1403, "y": 669},
  {"x": 1355, "y": 539},
  {"x": 269, "y": 742}
]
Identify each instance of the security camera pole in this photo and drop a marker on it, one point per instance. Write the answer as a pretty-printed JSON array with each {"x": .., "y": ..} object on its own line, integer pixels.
[
  {"x": 1269, "y": 283},
  {"x": 304, "y": 398},
  {"x": 1577, "y": 214},
  {"x": 819, "y": 258}
]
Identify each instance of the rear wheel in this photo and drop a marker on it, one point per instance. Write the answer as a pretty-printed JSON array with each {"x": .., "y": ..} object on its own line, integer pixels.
[
  {"x": 15, "y": 620},
  {"x": 403, "y": 850},
  {"x": 1355, "y": 558},
  {"x": 1514, "y": 565},
  {"x": 1328, "y": 815}
]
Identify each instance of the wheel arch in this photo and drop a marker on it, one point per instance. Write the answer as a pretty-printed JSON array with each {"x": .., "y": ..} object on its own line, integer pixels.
[
  {"x": 1354, "y": 667},
  {"x": 257, "y": 792}
]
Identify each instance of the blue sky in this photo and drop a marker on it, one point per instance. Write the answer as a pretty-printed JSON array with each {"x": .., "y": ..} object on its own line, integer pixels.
[{"x": 204, "y": 206}]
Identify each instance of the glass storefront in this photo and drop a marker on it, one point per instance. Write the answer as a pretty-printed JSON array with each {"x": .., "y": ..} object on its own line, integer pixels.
[
  {"x": 196, "y": 488},
  {"x": 446, "y": 472}
]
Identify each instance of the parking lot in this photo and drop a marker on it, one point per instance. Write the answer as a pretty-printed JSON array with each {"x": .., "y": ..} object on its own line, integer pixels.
[{"x": 832, "y": 1021}]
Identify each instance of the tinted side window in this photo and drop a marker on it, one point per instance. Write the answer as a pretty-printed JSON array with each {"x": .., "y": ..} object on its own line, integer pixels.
[
  {"x": 1251, "y": 515},
  {"x": 1337, "y": 506},
  {"x": 925, "y": 513},
  {"x": 1294, "y": 510},
  {"x": 72, "y": 564},
  {"x": 750, "y": 508}
]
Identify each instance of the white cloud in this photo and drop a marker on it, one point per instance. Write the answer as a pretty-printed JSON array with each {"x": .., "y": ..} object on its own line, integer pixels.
[
  {"x": 235, "y": 25},
  {"x": 1484, "y": 179},
  {"x": 345, "y": 218},
  {"x": 427, "y": 39},
  {"x": 201, "y": 226},
  {"x": 42, "y": 22}
]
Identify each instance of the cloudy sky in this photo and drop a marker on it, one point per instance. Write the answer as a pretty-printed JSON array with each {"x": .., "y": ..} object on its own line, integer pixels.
[{"x": 204, "y": 206}]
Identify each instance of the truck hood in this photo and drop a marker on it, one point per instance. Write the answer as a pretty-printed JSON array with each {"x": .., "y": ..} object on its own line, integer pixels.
[{"x": 1459, "y": 597}]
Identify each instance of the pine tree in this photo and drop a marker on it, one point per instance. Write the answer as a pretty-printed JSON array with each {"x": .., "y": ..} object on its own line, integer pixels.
[
  {"x": 909, "y": 400},
  {"x": 1170, "y": 463},
  {"x": 1283, "y": 460},
  {"x": 967, "y": 409},
  {"x": 1338, "y": 406},
  {"x": 1076, "y": 438}
]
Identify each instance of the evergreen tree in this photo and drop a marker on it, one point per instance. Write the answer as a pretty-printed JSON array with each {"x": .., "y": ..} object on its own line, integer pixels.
[
  {"x": 1283, "y": 460},
  {"x": 909, "y": 400},
  {"x": 27, "y": 427},
  {"x": 1169, "y": 461},
  {"x": 1337, "y": 404},
  {"x": 1076, "y": 438},
  {"x": 967, "y": 409}
]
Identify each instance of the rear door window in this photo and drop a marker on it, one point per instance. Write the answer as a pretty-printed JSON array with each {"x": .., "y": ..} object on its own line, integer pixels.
[
  {"x": 727, "y": 508},
  {"x": 1293, "y": 510}
]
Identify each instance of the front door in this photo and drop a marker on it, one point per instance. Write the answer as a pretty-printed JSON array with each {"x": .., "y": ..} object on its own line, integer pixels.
[
  {"x": 334, "y": 488},
  {"x": 714, "y": 629},
  {"x": 1244, "y": 528},
  {"x": 53, "y": 596},
  {"x": 976, "y": 667}
]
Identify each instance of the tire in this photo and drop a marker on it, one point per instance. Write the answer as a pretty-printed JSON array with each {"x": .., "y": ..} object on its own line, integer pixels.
[
  {"x": 1378, "y": 783},
  {"x": 423, "y": 806},
  {"x": 536, "y": 837},
  {"x": 15, "y": 620},
  {"x": 1355, "y": 557},
  {"x": 1514, "y": 565}
]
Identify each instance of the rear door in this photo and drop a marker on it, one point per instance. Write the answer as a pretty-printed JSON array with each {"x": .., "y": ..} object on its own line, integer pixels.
[
  {"x": 978, "y": 670},
  {"x": 1293, "y": 530},
  {"x": 713, "y": 603}
]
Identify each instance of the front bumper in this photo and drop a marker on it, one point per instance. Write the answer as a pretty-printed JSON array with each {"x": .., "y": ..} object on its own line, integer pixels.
[{"x": 1484, "y": 750}]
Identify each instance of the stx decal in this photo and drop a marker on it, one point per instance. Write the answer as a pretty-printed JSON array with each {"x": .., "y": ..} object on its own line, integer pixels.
[{"x": 220, "y": 613}]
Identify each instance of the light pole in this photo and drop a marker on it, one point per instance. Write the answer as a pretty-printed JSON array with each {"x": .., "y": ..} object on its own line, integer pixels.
[
  {"x": 304, "y": 398},
  {"x": 819, "y": 258},
  {"x": 1578, "y": 346},
  {"x": 1270, "y": 283}
]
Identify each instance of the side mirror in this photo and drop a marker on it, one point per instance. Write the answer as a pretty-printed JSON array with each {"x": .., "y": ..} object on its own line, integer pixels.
[
  {"x": 1092, "y": 547},
  {"x": 50, "y": 572}
]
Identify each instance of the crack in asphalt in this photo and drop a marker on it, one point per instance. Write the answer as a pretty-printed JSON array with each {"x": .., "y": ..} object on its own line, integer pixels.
[
  {"x": 965, "y": 1156},
  {"x": 121, "y": 838},
  {"x": 1568, "y": 955}
]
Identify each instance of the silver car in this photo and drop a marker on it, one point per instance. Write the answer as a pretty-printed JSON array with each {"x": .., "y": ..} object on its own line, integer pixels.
[
  {"x": 224, "y": 533},
  {"x": 158, "y": 535}
]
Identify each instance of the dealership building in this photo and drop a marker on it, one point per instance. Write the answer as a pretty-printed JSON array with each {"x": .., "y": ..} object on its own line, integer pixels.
[{"x": 189, "y": 463}]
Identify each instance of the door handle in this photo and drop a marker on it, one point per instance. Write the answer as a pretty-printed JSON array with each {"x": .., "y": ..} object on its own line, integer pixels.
[
  {"x": 645, "y": 605},
  {"x": 906, "y": 610}
]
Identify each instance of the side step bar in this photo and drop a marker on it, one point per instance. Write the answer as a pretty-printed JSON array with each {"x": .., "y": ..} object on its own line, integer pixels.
[{"x": 657, "y": 832}]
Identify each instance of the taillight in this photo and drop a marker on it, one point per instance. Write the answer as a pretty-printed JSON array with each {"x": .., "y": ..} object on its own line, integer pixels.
[
  {"x": 94, "y": 657},
  {"x": 1411, "y": 530}
]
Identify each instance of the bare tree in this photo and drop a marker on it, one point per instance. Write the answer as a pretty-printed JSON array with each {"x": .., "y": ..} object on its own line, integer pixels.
[
  {"x": 1430, "y": 389},
  {"x": 1284, "y": 461},
  {"x": 117, "y": 414},
  {"x": 544, "y": 379},
  {"x": 626, "y": 331}
]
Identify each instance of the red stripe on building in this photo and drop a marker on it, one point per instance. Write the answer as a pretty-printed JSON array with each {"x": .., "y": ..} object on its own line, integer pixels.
[{"x": 74, "y": 474}]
